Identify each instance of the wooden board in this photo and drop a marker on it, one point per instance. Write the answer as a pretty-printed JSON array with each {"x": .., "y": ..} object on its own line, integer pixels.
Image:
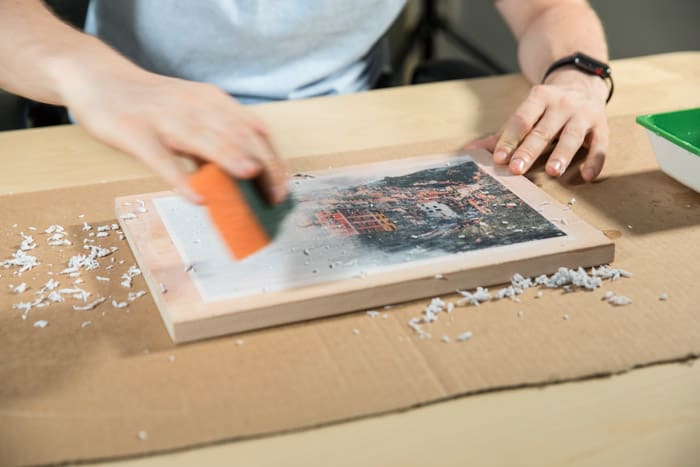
[{"x": 429, "y": 219}]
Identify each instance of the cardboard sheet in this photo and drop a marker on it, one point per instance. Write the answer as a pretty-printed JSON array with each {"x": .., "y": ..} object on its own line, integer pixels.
[{"x": 69, "y": 392}]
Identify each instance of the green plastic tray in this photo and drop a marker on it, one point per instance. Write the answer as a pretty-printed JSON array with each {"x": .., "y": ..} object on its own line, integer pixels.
[{"x": 681, "y": 127}]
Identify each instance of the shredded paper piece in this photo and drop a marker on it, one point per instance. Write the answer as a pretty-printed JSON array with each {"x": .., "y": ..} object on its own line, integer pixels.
[
  {"x": 480, "y": 295},
  {"x": 20, "y": 288},
  {"x": 28, "y": 242},
  {"x": 89, "y": 306},
  {"x": 128, "y": 276},
  {"x": 21, "y": 260},
  {"x": 619, "y": 300},
  {"x": 135, "y": 295},
  {"x": 465, "y": 336}
]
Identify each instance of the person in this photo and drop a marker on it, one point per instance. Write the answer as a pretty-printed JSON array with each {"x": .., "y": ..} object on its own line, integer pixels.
[{"x": 160, "y": 79}]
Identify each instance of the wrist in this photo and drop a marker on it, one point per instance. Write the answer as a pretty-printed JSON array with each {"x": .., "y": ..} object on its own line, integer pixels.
[
  {"x": 571, "y": 77},
  {"x": 90, "y": 64}
]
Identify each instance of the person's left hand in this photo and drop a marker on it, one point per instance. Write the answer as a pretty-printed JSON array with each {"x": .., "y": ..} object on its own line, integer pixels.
[{"x": 570, "y": 108}]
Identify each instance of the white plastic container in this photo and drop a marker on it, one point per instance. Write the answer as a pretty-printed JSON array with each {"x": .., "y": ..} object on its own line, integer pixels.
[{"x": 675, "y": 138}]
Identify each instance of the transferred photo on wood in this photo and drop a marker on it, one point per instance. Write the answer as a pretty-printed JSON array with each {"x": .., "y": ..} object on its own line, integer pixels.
[
  {"x": 361, "y": 221},
  {"x": 449, "y": 208},
  {"x": 358, "y": 237}
]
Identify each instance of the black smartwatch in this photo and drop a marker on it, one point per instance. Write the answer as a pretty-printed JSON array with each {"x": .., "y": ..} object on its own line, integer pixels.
[{"x": 586, "y": 64}]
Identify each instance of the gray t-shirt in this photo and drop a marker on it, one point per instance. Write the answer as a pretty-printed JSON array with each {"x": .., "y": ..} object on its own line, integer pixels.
[{"x": 255, "y": 50}]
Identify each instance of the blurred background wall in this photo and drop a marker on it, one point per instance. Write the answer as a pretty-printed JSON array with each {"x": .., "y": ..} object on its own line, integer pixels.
[{"x": 633, "y": 27}]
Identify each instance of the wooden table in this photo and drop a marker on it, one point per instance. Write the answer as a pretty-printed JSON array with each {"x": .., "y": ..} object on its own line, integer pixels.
[{"x": 649, "y": 416}]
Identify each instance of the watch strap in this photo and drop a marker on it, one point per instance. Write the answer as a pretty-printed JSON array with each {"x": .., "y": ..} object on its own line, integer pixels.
[{"x": 585, "y": 64}]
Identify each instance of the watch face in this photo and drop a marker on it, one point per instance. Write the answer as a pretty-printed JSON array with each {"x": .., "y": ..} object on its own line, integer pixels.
[{"x": 591, "y": 65}]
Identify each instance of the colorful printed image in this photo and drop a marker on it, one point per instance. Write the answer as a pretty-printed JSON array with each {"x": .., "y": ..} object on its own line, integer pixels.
[
  {"x": 360, "y": 221},
  {"x": 451, "y": 209}
]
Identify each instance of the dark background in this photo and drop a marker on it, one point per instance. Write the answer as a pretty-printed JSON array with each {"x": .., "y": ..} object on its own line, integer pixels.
[{"x": 633, "y": 27}]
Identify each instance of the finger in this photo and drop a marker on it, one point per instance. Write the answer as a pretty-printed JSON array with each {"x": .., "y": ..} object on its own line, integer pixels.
[
  {"x": 257, "y": 124},
  {"x": 242, "y": 114},
  {"x": 597, "y": 152},
  {"x": 162, "y": 161},
  {"x": 488, "y": 143},
  {"x": 519, "y": 125},
  {"x": 211, "y": 145},
  {"x": 256, "y": 146},
  {"x": 241, "y": 128},
  {"x": 537, "y": 140},
  {"x": 273, "y": 177},
  {"x": 570, "y": 141},
  {"x": 217, "y": 107}
]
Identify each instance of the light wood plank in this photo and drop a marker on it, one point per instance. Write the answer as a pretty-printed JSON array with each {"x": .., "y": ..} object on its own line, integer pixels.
[{"x": 189, "y": 316}]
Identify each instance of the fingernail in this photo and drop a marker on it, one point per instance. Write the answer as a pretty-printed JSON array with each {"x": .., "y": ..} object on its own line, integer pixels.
[
  {"x": 517, "y": 165},
  {"x": 500, "y": 156},
  {"x": 588, "y": 174},
  {"x": 557, "y": 166},
  {"x": 247, "y": 167}
]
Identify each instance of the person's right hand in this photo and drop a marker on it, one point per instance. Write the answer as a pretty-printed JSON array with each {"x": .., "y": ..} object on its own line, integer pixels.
[{"x": 157, "y": 118}]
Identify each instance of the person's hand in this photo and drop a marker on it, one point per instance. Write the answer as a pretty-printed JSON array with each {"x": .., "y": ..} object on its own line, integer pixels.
[
  {"x": 568, "y": 110},
  {"x": 157, "y": 118}
]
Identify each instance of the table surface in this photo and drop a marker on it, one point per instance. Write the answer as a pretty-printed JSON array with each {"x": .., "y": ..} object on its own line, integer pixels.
[{"x": 649, "y": 416}]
